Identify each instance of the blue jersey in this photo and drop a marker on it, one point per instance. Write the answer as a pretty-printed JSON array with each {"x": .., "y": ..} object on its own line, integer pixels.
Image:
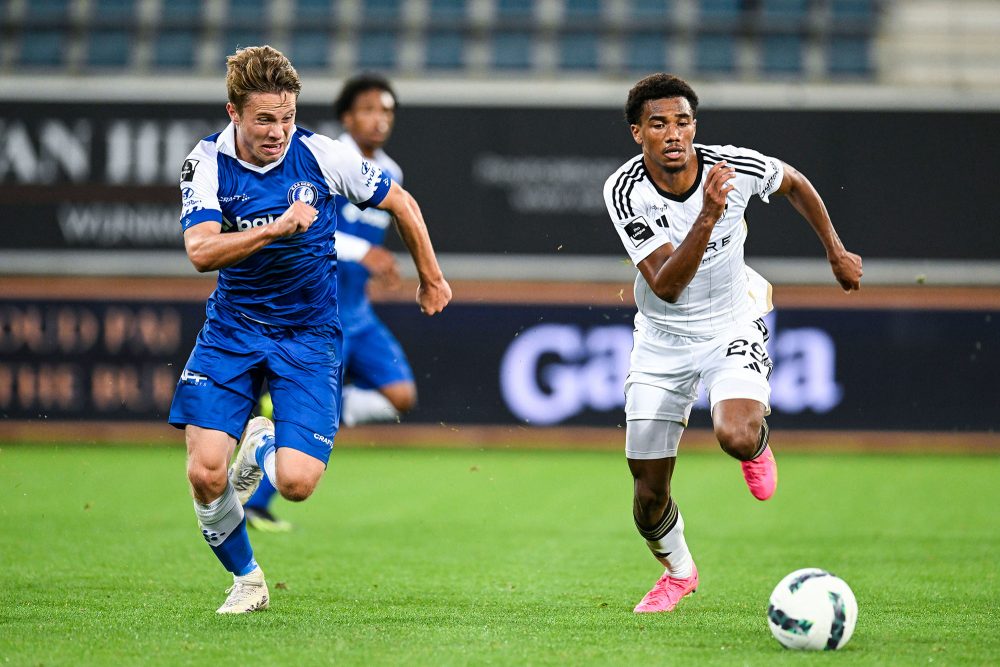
[
  {"x": 370, "y": 226},
  {"x": 292, "y": 281}
]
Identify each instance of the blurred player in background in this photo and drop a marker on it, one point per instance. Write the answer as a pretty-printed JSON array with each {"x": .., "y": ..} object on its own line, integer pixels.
[
  {"x": 258, "y": 206},
  {"x": 678, "y": 208},
  {"x": 381, "y": 386}
]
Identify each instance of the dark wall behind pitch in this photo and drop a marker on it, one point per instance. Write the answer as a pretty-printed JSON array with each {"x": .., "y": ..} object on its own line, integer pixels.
[{"x": 515, "y": 180}]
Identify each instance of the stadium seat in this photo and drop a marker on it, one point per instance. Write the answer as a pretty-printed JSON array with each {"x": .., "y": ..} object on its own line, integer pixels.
[
  {"x": 108, "y": 48},
  {"x": 312, "y": 10},
  {"x": 113, "y": 13},
  {"x": 715, "y": 54},
  {"x": 579, "y": 51},
  {"x": 729, "y": 11},
  {"x": 247, "y": 13},
  {"x": 311, "y": 49},
  {"x": 512, "y": 50},
  {"x": 514, "y": 15},
  {"x": 643, "y": 11},
  {"x": 582, "y": 12},
  {"x": 377, "y": 49},
  {"x": 382, "y": 9},
  {"x": 445, "y": 10},
  {"x": 239, "y": 38},
  {"x": 42, "y": 48},
  {"x": 864, "y": 10},
  {"x": 47, "y": 12},
  {"x": 445, "y": 50},
  {"x": 793, "y": 11},
  {"x": 178, "y": 13},
  {"x": 646, "y": 52},
  {"x": 174, "y": 49},
  {"x": 781, "y": 54},
  {"x": 849, "y": 56}
]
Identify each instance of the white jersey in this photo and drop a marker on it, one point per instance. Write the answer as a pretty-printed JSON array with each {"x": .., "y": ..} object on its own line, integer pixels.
[{"x": 724, "y": 291}]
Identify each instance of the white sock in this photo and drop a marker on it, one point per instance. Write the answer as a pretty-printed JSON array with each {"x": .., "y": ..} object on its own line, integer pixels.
[
  {"x": 269, "y": 467},
  {"x": 362, "y": 406},
  {"x": 666, "y": 542}
]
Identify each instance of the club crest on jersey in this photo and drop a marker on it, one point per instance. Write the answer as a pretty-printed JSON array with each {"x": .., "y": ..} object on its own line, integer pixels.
[{"x": 303, "y": 191}]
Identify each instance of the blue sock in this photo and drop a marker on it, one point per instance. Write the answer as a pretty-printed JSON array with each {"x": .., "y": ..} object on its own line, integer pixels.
[
  {"x": 235, "y": 553},
  {"x": 262, "y": 496}
]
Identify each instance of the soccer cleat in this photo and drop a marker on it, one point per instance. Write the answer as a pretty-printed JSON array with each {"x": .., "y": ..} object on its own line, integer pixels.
[
  {"x": 761, "y": 474},
  {"x": 261, "y": 519},
  {"x": 248, "y": 593},
  {"x": 667, "y": 592},
  {"x": 244, "y": 473}
]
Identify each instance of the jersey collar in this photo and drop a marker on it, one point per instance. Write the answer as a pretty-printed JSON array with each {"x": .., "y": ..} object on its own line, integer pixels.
[
  {"x": 684, "y": 195},
  {"x": 226, "y": 144}
]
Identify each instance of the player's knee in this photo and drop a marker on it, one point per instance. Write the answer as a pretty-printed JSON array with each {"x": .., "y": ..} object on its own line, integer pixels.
[
  {"x": 403, "y": 397},
  {"x": 739, "y": 440},
  {"x": 208, "y": 482},
  {"x": 296, "y": 489}
]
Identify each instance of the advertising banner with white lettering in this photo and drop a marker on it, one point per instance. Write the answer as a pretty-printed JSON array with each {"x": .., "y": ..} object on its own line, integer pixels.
[
  {"x": 514, "y": 180},
  {"x": 90, "y": 360}
]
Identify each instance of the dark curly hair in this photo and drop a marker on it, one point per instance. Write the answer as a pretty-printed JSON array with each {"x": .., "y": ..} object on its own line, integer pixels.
[
  {"x": 357, "y": 85},
  {"x": 655, "y": 87}
]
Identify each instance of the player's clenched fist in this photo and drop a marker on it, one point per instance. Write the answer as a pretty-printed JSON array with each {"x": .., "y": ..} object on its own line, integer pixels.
[
  {"x": 433, "y": 296},
  {"x": 717, "y": 187},
  {"x": 296, "y": 218}
]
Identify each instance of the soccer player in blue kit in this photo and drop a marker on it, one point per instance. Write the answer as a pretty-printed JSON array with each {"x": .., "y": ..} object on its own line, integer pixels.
[
  {"x": 258, "y": 206},
  {"x": 381, "y": 381}
]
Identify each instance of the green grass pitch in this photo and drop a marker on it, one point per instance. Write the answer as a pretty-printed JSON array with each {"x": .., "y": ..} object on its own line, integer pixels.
[{"x": 456, "y": 557}]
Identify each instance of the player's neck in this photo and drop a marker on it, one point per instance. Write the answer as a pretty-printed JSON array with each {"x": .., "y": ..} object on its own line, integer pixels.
[
  {"x": 367, "y": 150},
  {"x": 674, "y": 182}
]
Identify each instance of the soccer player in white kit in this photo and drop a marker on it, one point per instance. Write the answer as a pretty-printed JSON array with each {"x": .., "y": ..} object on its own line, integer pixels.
[{"x": 678, "y": 208}]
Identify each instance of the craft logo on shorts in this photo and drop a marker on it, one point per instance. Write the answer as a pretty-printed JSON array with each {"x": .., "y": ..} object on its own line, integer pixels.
[{"x": 303, "y": 191}]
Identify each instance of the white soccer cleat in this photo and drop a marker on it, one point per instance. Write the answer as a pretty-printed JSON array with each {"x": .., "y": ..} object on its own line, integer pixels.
[
  {"x": 244, "y": 473},
  {"x": 248, "y": 593}
]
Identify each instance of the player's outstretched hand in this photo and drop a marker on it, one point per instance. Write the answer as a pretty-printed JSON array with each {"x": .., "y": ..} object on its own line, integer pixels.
[
  {"x": 847, "y": 269},
  {"x": 297, "y": 218},
  {"x": 381, "y": 264},
  {"x": 433, "y": 296},
  {"x": 717, "y": 187}
]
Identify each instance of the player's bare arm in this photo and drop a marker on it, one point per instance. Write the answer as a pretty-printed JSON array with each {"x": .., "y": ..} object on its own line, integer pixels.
[
  {"x": 668, "y": 270},
  {"x": 210, "y": 250},
  {"x": 806, "y": 200},
  {"x": 434, "y": 292}
]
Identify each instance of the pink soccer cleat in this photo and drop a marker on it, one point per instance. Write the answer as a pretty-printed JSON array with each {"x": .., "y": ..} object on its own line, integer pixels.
[
  {"x": 667, "y": 592},
  {"x": 761, "y": 474}
]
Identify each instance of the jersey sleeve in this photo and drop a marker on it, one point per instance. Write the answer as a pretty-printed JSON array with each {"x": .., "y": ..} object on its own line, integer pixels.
[
  {"x": 765, "y": 172},
  {"x": 200, "y": 187},
  {"x": 637, "y": 231},
  {"x": 349, "y": 174}
]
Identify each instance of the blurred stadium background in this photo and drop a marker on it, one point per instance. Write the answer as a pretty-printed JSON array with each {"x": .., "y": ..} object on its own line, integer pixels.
[{"x": 510, "y": 121}]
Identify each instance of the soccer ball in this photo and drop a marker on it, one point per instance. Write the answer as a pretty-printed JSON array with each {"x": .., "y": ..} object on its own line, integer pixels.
[{"x": 813, "y": 610}]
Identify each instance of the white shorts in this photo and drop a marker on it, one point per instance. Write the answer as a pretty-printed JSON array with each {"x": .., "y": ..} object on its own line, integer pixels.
[{"x": 665, "y": 369}]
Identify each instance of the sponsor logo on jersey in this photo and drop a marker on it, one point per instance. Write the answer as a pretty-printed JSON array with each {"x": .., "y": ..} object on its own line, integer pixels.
[
  {"x": 243, "y": 224},
  {"x": 639, "y": 231},
  {"x": 190, "y": 202},
  {"x": 303, "y": 191},
  {"x": 187, "y": 171},
  {"x": 232, "y": 198}
]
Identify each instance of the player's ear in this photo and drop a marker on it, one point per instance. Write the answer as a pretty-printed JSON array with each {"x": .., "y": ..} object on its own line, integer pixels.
[
  {"x": 231, "y": 110},
  {"x": 636, "y": 134},
  {"x": 694, "y": 127}
]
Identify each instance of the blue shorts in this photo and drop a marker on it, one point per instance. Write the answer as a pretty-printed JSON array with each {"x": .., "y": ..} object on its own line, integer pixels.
[
  {"x": 231, "y": 358},
  {"x": 373, "y": 356}
]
